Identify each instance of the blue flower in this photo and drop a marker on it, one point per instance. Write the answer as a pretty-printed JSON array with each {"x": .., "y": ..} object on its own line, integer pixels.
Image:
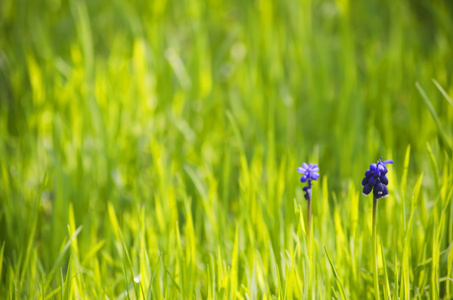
[
  {"x": 309, "y": 172},
  {"x": 375, "y": 179}
]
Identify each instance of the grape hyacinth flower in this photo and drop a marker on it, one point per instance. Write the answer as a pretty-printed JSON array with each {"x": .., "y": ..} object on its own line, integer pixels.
[
  {"x": 309, "y": 172},
  {"x": 376, "y": 180}
]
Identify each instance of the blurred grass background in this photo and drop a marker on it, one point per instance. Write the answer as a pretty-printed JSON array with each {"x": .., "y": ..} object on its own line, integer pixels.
[{"x": 159, "y": 140}]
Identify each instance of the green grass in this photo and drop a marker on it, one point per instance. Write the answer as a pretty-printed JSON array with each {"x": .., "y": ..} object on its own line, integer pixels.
[{"x": 149, "y": 149}]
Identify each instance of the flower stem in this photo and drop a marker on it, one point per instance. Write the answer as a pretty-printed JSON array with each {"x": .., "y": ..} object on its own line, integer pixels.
[
  {"x": 309, "y": 222},
  {"x": 310, "y": 257},
  {"x": 376, "y": 283}
]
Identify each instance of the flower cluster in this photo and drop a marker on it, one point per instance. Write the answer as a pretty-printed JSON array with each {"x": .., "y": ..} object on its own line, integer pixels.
[
  {"x": 309, "y": 172},
  {"x": 376, "y": 180}
]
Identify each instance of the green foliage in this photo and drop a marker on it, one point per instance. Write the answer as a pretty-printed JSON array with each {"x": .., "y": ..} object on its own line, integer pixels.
[{"x": 148, "y": 149}]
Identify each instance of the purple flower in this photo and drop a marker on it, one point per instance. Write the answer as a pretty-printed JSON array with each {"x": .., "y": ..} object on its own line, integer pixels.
[
  {"x": 375, "y": 179},
  {"x": 309, "y": 172}
]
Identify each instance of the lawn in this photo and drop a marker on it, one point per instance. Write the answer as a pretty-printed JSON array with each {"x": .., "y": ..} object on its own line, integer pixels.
[{"x": 149, "y": 149}]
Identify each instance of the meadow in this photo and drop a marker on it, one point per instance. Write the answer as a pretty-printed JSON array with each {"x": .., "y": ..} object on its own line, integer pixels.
[{"x": 149, "y": 149}]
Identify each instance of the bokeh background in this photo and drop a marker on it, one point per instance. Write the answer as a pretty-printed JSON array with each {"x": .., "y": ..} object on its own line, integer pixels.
[{"x": 159, "y": 140}]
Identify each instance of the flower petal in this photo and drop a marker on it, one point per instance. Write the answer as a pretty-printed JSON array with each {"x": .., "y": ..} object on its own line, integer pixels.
[
  {"x": 386, "y": 192},
  {"x": 367, "y": 189},
  {"x": 300, "y": 170},
  {"x": 365, "y": 181},
  {"x": 372, "y": 181},
  {"x": 315, "y": 169},
  {"x": 373, "y": 167},
  {"x": 304, "y": 178},
  {"x": 381, "y": 167},
  {"x": 310, "y": 165},
  {"x": 378, "y": 190},
  {"x": 368, "y": 173},
  {"x": 387, "y": 162},
  {"x": 315, "y": 176},
  {"x": 305, "y": 166},
  {"x": 384, "y": 179}
]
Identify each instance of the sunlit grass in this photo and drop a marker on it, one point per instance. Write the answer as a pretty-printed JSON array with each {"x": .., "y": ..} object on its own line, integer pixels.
[{"x": 149, "y": 150}]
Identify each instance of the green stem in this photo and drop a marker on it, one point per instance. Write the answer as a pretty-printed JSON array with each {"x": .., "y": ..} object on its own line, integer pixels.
[
  {"x": 376, "y": 283},
  {"x": 310, "y": 257},
  {"x": 309, "y": 223}
]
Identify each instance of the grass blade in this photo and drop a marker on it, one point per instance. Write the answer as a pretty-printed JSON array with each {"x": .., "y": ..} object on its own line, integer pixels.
[
  {"x": 443, "y": 137},
  {"x": 387, "y": 294},
  {"x": 443, "y": 92},
  {"x": 337, "y": 277},
  {"x": 1, "y": 258}
]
